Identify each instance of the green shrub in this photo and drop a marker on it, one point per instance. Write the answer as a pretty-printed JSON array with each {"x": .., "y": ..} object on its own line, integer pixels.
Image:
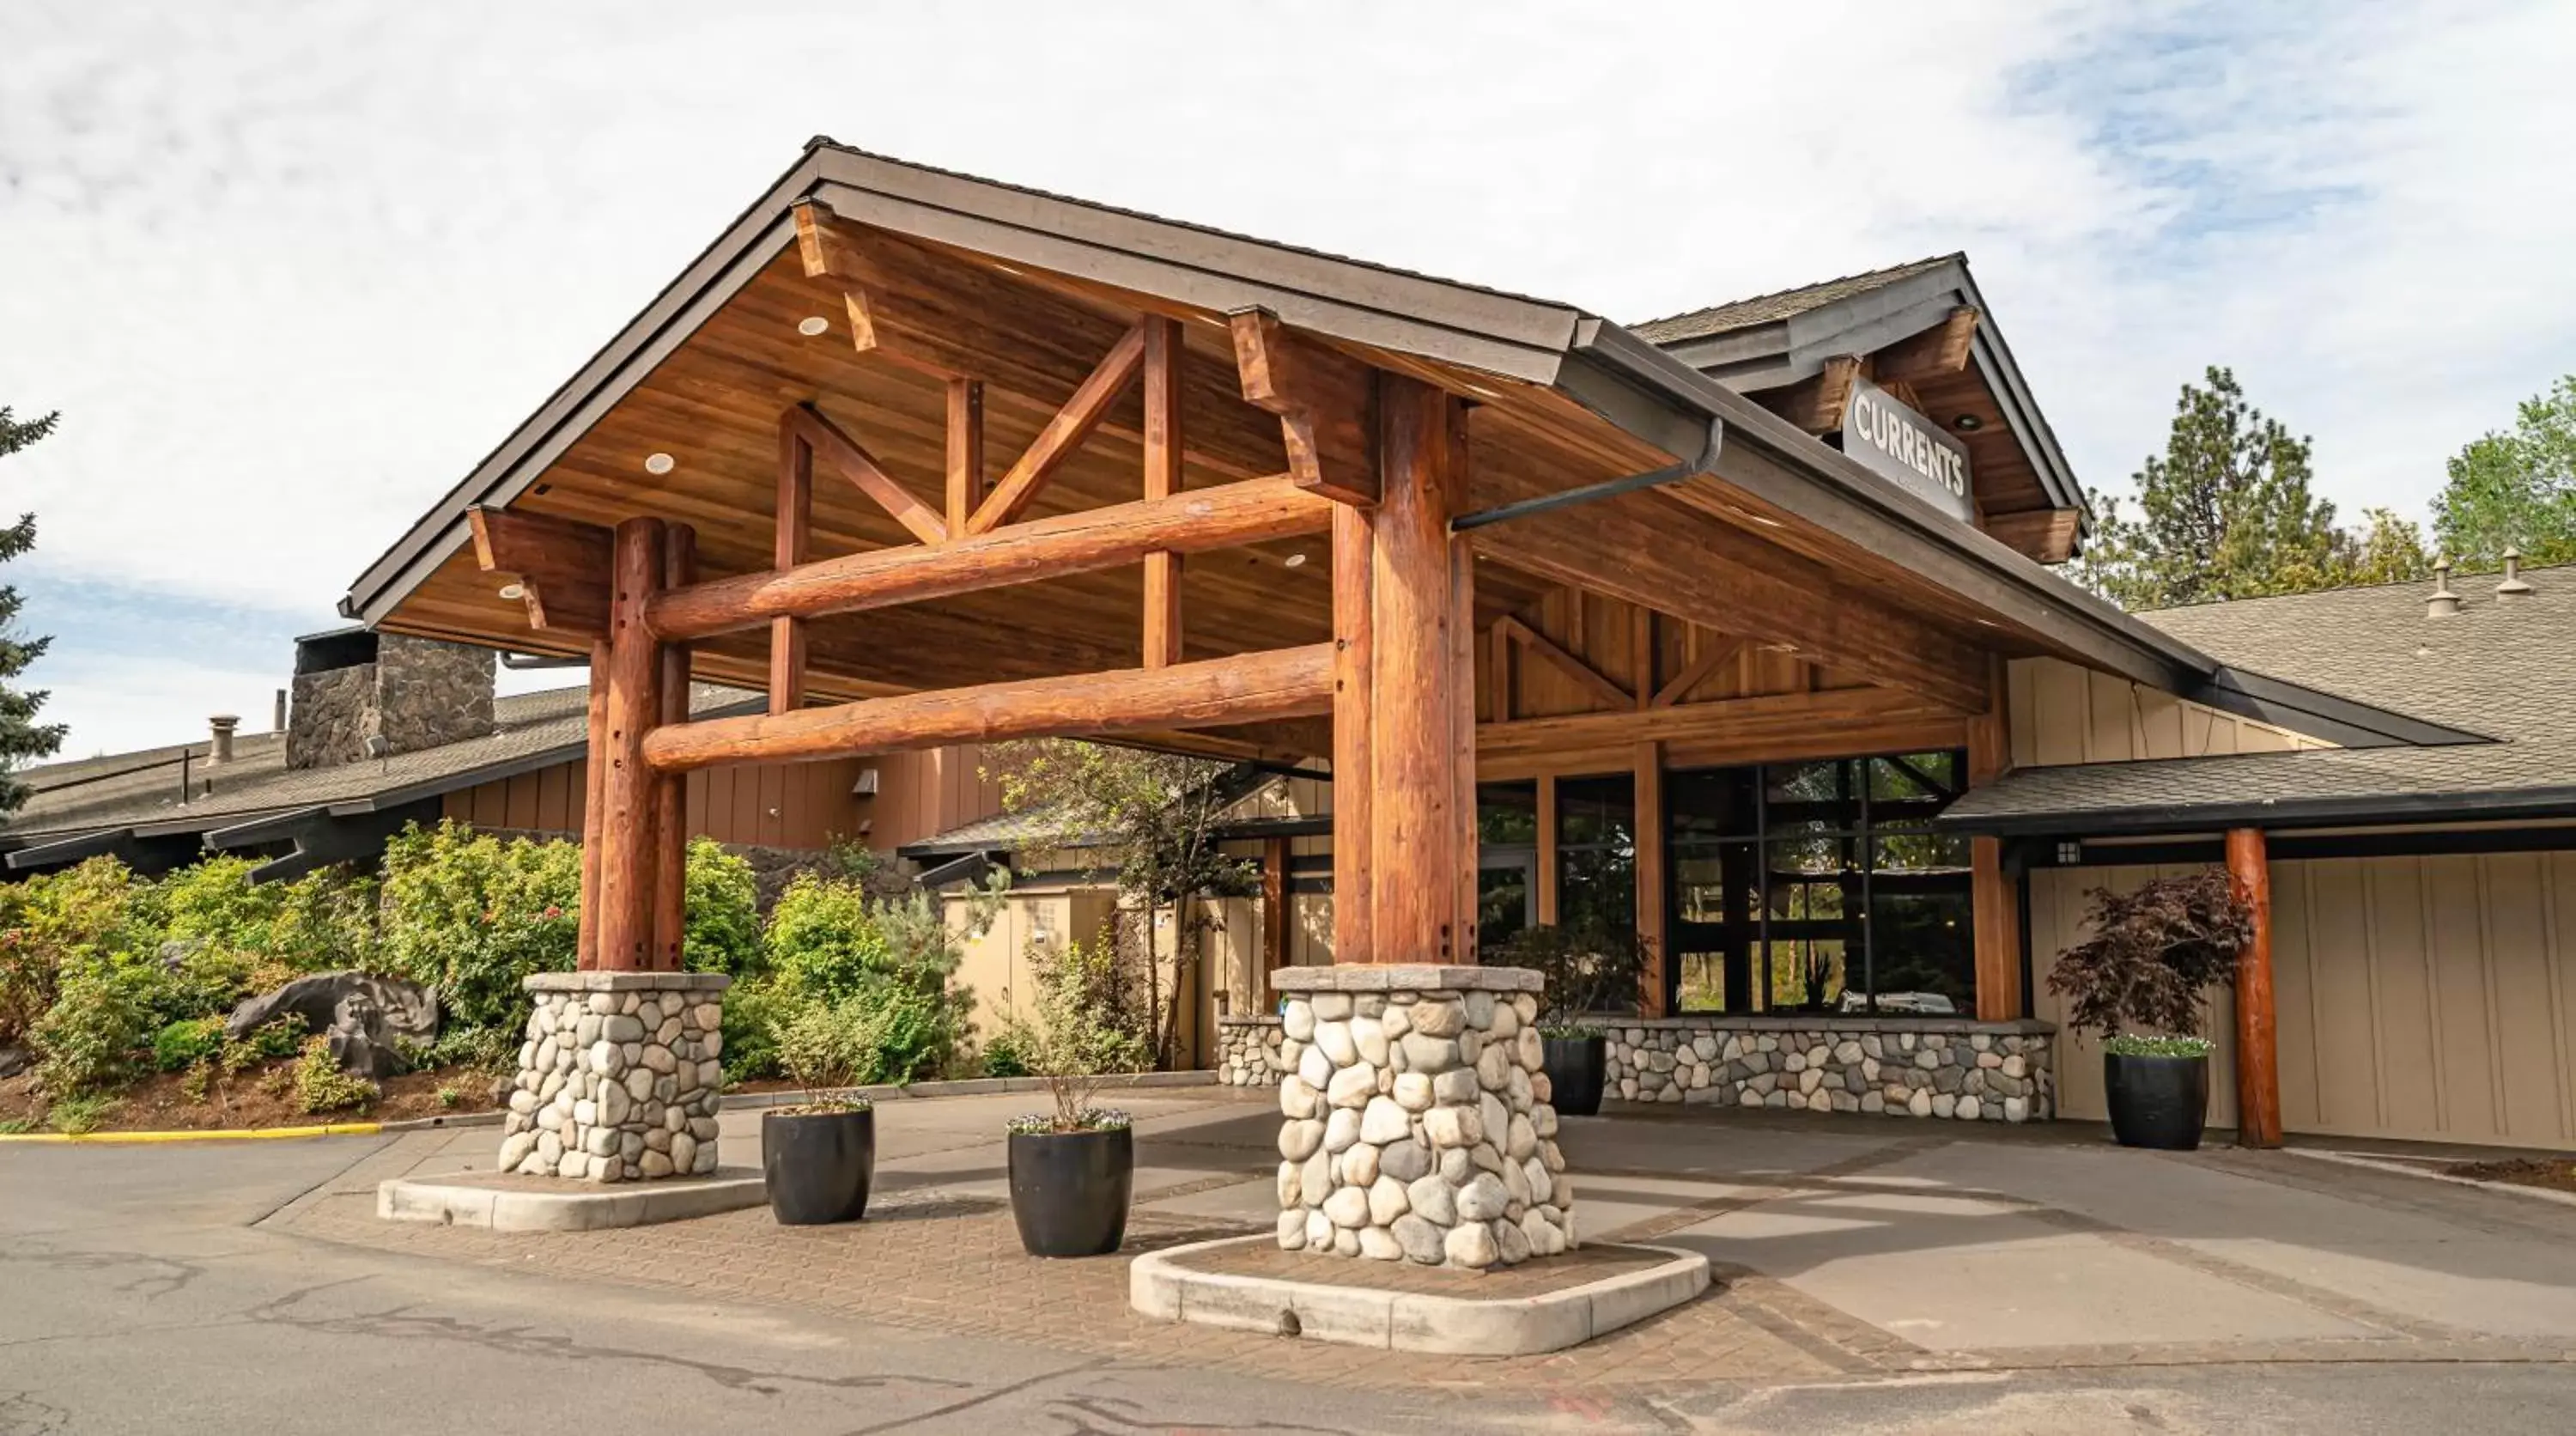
[
  {"x": 94, "y": 1036},
  {"x": 320, "y": 1085},
  {"x": 278, "y": 1037},
  {"x": 823, "y": 939},
  {"x": 83, "y": 917},
  {"x": 752, "y": 1012},
  {"x": 1079, "y": 1036},
  {"x": 73, "y": 1116},
  {"x": 828, "y": 1045},
  {"x": 1005, "y": 1053},
  {"x": 2132, "y": 1044},
  {"x": 187, "y": 1042},
  {"x": 484, "y": 1049},
  {"x": 473, "y": 916},
  {"x": 723, "y": 929}
]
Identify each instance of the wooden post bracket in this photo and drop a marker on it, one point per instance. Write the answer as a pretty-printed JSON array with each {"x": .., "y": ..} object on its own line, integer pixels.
[
  {"x": 562, "y": 566},
  {"x": 1326, "y": 402}
]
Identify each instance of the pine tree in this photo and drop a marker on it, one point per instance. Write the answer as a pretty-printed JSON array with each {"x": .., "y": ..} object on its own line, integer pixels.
[
  {"x": 2515, "y": 490},
  {"x": 2225, "y": 512},
  {"x": 21, "y": 736}
]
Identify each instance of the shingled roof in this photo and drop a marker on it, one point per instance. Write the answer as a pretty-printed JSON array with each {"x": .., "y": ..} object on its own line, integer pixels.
[
  {"x": 2498, "y": 668},
  {"x": 141, "y": 790},
  {"x": 1786, "y": 304}
]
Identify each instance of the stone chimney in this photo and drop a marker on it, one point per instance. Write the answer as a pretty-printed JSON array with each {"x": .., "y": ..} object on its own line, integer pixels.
[
  {"x": 2443, "y": 603},
  {"x": 411, "y": 693},
  {"x": 2514, "y": 585},
  {"x": 221, "y": 750}
]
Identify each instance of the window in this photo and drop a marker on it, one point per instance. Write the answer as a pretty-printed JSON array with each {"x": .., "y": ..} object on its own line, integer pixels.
[
  {"x": 1596, "y": 852},
  {"x": 1507, "y": 860},
  {"x": 1820, "y": 886}
]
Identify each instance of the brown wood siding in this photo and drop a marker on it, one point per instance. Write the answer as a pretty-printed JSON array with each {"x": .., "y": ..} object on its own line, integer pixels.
[
  {"x": 2428, "y": 998},
  {"x": 782, "y": 805}
]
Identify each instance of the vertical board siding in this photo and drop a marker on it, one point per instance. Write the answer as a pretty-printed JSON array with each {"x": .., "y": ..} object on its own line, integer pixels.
[
  {"x": 805, "y": 806},
  {"x": 2064, "y": 714},
  {"x": 2419, "y": 997}
]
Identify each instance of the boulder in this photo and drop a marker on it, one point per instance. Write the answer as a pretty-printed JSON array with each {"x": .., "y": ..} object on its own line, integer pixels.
[{"x": 362, "y": 1014}]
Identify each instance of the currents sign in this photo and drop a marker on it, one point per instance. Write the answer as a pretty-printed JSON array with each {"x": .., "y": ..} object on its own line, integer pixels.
[{"x": 1891, "y": 439}]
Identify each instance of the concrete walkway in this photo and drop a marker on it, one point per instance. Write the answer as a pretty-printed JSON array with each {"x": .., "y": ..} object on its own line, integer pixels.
[
  {"x": 1854, "y": 1246},
  {"x": 1883, "y": 1277}
]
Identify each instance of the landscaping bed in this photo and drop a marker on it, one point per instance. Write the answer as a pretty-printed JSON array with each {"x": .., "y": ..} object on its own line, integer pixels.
[
  {"x": 259, "y": 1099},
  {"x": 2558, "y": 1174}
]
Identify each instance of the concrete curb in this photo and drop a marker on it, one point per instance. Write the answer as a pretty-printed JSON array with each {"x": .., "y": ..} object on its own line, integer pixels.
[
  {"x": 217, "y": 1134},
  {"x": 580, "y": 1207},
  {"x": 968, "y": 1087},
  {"x": 1159, "y": 1286},
  {"x": 432, "y": 1124},
  {"x": 2408, "y": 1169}
]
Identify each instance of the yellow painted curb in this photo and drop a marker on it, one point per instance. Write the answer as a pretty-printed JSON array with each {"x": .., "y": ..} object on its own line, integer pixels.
[{"x": 262, "y": 1134}]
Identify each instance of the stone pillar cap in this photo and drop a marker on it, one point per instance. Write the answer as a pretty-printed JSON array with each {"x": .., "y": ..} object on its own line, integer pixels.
[
  {"x": 1405, "y": 977},
  {"x": 710, "y": 982}
]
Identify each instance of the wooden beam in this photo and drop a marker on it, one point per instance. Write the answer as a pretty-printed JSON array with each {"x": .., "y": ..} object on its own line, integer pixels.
[
  {"x": 1641, "y": 651},
  {"x": 1816, "y": 402},
  {"x": 1325, "y": 400},
  {"x": 1063, "y": 434},
  {"x": 2258, "y": 1047},
  {"x": 1661, "y": 552},
  {"x": 1227, "y": 516},
  {"x": 1591, "y": 679},
  {"x": 953, "y": 316},
  {"x": 671, "y": 790},
  {"x": 1498, "y": 675},
  {"x": 1163, "y": 364},
  {"x": 1414, "y": 754},
  {"x": 561, "y": 564},
  {"x": 1994, "y": 895},
  {"x": 1696, "y": 672},
  {"x": 1547, "y": 858},
  {"x": 792, "y": 539},
  {"x": 1649, "y": 835},
  {"x": 2043, "y": 535},
  {"x": 861, "y": 468},
  {"x": 1274, "y": 918},
  {"x": 627, "y": 869},
  {"x": 1941, "y": 349},
  {"x": 594, "y": 810},
  {"x": 1774, "y": 727},
  {"x": 1354, "y": 695},
  {"x": 965, "y": 452},
  {"x": 1214, "y": 692}
]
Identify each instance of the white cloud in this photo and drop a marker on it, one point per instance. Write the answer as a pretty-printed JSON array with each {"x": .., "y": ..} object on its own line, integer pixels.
[{"x": 290, "y": 270}]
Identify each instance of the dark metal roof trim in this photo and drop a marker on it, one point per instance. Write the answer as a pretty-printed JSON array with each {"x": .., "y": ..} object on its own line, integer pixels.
[
  {"x": 2082, "y": 823},
  {"x": 69, "y": 850},
  {"x": 1787, "y": 468},
  {"x": 2319, "y": 714}
]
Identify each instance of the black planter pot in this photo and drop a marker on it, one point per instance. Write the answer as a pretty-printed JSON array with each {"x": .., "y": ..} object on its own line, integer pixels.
[
  {"x": 2158, "y": 1102},
  {"x": 818, "y": 1165},
  {"x": 1576, "y": 1067},
  {"x": 1069, "y": 1190}
]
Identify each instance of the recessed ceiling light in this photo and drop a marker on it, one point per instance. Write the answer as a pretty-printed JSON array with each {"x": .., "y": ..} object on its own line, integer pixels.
[
  {"x": 1295, "y": 560},
  {"x": 812, "y": 324},
  {"x": 1967, "y": 423},
  {"x": 514, "y": 590},
  {"x": 658, "y": 463}
]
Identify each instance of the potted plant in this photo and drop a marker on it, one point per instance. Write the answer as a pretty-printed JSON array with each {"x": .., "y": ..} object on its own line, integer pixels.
[
  {"x": 2138, "y": 981},
  {"x": 1073, "y": 1169},
  {"x": 1587, "y": 968},
  {"x": 819, "y": 1157}
]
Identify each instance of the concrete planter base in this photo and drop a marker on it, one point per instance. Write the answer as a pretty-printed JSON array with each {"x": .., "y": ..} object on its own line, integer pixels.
[
  {"x": 1164, "y": 1285},
  {"x": 504, "y": 1202}
]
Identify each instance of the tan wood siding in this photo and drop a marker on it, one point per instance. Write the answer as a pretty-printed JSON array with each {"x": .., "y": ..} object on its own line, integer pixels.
[
  {"x": 2419, "y": 997},
  {"x": 2062, "y": 714}
]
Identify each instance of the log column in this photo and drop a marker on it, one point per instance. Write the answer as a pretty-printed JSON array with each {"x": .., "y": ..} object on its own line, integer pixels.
[
  {"x": 1421, "y": 778},
  {"x": 629, "y": 868},
  {"x": 1994, "y": 894},
  {"x": 2258, "y": 1063}
]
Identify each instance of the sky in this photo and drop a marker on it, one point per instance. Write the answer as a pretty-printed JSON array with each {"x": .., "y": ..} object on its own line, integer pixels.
[{"x": 290, "y": 270}]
